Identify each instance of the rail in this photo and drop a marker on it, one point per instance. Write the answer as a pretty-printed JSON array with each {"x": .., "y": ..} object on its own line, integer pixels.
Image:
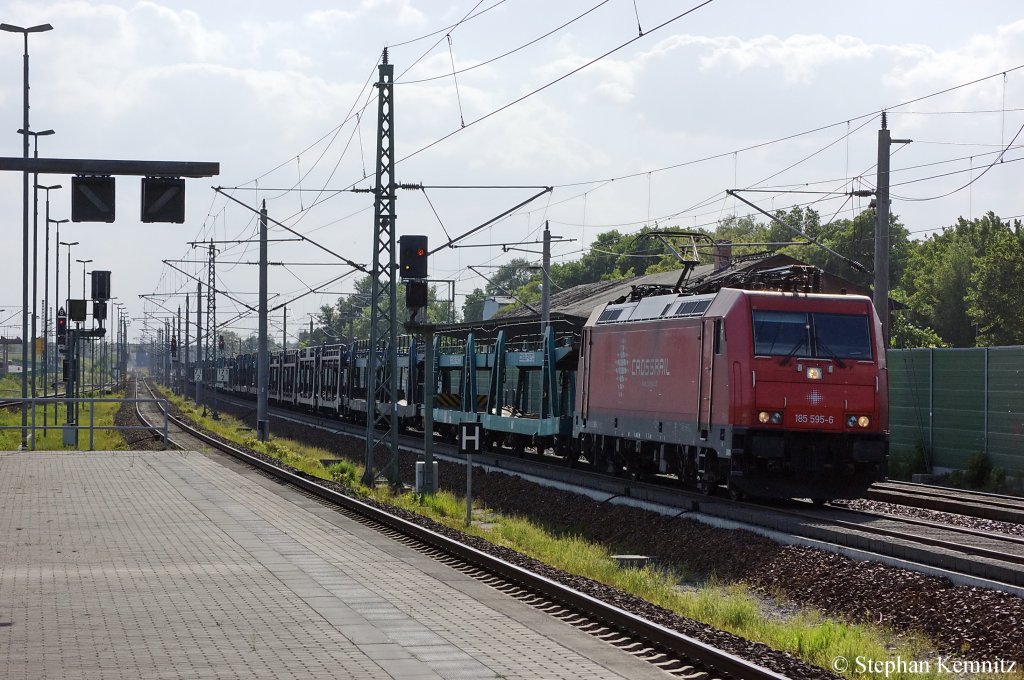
[
  {"x": 71, "y": 430},
  {"x": 666, "y": 638},
  {"x": 968, "y": 502}
]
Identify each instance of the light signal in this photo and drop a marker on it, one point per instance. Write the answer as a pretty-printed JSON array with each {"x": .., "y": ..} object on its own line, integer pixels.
[
  {"x": 412, "y": 256},
  {"x": 163, "y": 199},
  {"x": 92, "y": 198}
]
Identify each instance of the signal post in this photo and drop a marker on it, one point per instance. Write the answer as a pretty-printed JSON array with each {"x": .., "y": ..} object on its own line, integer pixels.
[{"x": 412, "y": 267}]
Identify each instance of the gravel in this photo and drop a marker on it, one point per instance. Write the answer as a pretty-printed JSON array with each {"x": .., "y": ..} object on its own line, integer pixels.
[
  {"x": 971, "y": 622},
  {"x": 137, "y": 440},
  {"x": 981, "y": 524}
]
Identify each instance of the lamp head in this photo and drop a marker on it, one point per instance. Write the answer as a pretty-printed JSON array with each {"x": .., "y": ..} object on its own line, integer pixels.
[{"x": 11, "y": 28}]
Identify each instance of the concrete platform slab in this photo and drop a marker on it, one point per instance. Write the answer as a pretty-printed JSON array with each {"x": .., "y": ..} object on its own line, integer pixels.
[{"x": 169, "y": 564}]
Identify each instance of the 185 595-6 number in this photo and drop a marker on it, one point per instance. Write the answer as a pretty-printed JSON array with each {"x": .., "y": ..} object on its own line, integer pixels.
[{"x": 813, "y": 418}]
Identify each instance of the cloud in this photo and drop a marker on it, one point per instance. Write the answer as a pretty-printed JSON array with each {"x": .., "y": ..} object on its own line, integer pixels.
[
  {"x": 403, "y": 11},
  {"x": 981, "y": 55},
  {"x": 293, "y": 60},
  {"x": 329, "y": 18}
]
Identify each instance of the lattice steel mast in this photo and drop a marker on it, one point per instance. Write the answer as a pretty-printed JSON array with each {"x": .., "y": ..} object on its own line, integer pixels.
[
  {"x": 382, "y": 377},
  {"x": 211, "y": 320}
]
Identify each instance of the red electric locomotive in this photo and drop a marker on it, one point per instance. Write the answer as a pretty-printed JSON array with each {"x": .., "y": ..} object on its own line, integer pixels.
[{"x": 771, "y": 394}]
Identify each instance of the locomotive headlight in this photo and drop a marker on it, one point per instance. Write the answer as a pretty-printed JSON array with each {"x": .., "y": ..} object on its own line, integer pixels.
[
  {"x": 851, "y": 421},
  {"x": 763, "y": 417},
  {"x": 814, "y": 372},
  {"x": 863, "y": 421},
  {"x": 776, "y": 417}
]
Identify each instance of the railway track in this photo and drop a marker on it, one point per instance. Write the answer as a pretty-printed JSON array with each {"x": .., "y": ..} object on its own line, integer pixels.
[
  {"x": 679, "y": 655},
  {"x": 996, "y": 507},
  {"x": 958, "y": 549},
  {"x": 969, "y": 556}
]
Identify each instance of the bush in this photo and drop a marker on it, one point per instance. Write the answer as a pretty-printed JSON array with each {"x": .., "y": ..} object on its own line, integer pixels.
[
  {"x": 919, "y": 461},
  {"x": 343, "y": 472},
  {"x": 998, "y": 483},
  {"x": 979, "y": 470},
  {"x": 903, "y": 468}
]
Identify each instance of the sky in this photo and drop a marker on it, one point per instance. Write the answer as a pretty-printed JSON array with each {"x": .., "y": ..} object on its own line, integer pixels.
[{"x": 636, "y": 112}]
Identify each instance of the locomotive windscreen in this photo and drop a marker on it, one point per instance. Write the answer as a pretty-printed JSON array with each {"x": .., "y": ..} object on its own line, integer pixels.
[{"x": 811, "y": 334}]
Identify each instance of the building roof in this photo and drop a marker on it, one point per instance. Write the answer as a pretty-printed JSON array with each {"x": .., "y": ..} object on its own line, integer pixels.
[{"x": 579, "y": 301}]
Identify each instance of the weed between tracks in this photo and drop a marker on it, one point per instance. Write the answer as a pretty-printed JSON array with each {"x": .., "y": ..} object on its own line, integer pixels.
[{"x": 805, "y": 633}]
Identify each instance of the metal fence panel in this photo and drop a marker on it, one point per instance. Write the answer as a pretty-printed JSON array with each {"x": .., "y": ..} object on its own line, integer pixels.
[
  {"x": 959, "y": 413},
  {"x": 909, "y": 400},
  {"x": 958, "y": 402},
  {"x": 1006, "y": 408}
]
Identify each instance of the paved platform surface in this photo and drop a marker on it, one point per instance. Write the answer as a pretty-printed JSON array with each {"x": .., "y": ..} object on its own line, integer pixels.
[{"x": 181, "y": 565}]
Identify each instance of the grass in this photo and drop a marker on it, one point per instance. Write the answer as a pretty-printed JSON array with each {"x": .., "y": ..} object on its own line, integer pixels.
[
  {"x": 729, "y": 607},
  {"x": 294, "y": 454},
  {"x": 10, "y": 385},
  {"x": 52, "y": 440},
  {"x": 805, "y": 633}
]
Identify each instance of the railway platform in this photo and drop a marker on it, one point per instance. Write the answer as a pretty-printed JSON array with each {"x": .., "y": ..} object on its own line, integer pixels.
[{"x": 172, "y": 564}]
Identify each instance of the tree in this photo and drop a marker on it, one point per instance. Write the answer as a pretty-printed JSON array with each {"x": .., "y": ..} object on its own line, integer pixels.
[
  {"x": 232, "y": 343},
  {"x": 906, "y": 334},
  {"x": 251, "y": 344},
  {"x": 853, "y": 238},
  {"x": 473, "y": 307},
  {"x": 739, "y": 230},
  {"x": 597, "y": 264},
  {"x": 995, "y": 297},
  {"x": 939, "y": 277},
  {"x": 349, "y": 316},
  {"x": 510, "y": 279}
]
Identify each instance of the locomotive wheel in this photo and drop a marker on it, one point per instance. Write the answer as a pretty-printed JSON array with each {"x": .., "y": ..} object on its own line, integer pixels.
[{"x": 734, "y": 493}]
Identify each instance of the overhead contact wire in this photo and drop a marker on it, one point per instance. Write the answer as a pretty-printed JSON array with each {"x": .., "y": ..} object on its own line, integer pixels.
[{"x": 553, "y": 82}]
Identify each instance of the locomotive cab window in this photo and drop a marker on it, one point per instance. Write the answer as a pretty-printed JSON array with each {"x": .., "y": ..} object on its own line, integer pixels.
[
  {"x": 814, "y": 334},
  {"x": 781, "y": 333},
  {"x": 843, "y": 336}
]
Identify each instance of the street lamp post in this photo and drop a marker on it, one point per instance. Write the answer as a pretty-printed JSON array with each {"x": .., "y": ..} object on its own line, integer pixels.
[
  {"x": 46, "y": 301},
  {"x": 5, "y": 368},
  {"x": 35, "y": 248},
  {"x": 56, "y": 259},
  {"x": 67, "y": 312},
  {"x": 68, "y": 298},
  {"x": 24, "y": 230},
  {"x": 116, "y": 360},
  {"x": 84, "y": 262},
  {"x": 84, "y": 297},
  {"x": 56, "y": 293}
]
